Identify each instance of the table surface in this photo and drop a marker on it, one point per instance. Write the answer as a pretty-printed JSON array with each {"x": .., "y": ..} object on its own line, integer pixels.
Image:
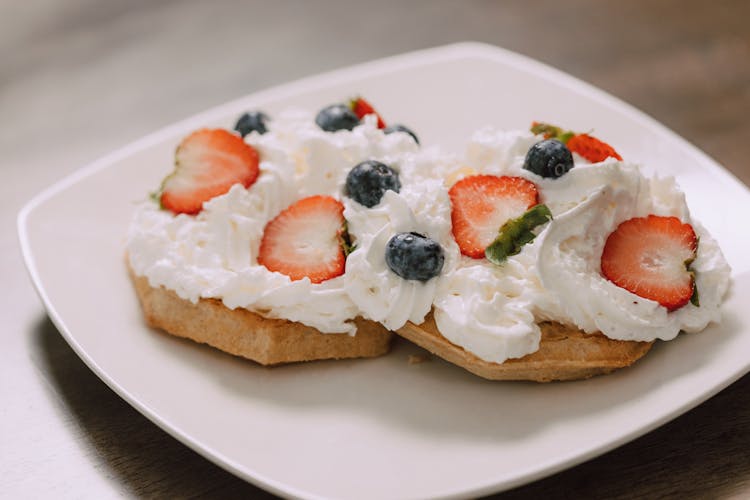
[{"x": 82, "y": 77}]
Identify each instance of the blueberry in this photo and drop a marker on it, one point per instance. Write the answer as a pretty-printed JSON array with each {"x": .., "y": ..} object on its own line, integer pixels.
[
  {"x": 548, "y": 158},
  {"x": 252, "y": 121},
  {"x": 400, "y": 128},
  {"x": 336, "y": 117},
  {"x": 367, "y": 182},
  {"x": 414, "y": 257}
]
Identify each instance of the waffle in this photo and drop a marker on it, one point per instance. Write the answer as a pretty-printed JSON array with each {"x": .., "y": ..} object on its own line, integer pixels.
[
  {"x": 240, "y": 332},
  {"x": 565, "y": 353}
]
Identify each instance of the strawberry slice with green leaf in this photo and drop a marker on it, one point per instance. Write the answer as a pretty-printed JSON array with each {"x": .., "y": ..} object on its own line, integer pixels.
[
  {"x": 650, "y": 257},
  {"x": 362, "y": 108},
  {"x": 587, "y": 146},
  {"x": 307, "y": 239},
  {"x": 207, "y": 163},
  {"x": 481, "y": 204}
]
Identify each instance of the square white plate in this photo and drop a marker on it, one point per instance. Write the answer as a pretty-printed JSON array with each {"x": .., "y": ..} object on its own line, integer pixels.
[{"x": 382, "y": 428}]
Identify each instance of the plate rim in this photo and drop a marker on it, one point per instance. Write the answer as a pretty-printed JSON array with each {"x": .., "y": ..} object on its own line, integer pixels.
[{"x": 443, "y": 53}]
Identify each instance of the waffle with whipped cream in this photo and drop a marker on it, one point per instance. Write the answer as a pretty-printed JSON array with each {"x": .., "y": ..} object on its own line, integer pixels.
[{"x": 536, "y": 255}]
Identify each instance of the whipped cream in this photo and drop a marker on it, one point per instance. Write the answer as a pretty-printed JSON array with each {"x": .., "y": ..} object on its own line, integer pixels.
[
  {"x": 492, "y": 311},
  {"x": 570, "y": 255},
  {"x": 214, "y": 254},
  {"x": 382, "y": 295}
]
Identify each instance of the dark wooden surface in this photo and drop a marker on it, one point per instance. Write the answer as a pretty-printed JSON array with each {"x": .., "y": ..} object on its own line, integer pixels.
[{"x": 90, "y": 76}]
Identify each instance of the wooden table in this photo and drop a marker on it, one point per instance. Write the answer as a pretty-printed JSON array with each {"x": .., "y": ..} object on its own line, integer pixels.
[{"x": 79, "y": 78}]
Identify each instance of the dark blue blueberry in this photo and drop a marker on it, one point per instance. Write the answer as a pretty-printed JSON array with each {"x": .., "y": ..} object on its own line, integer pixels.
[
  {"x": 252, "y": 121},
  {"x": 548, "y": 158},
  {"x": 336, "y": 117},
  {"x": 400, "y": 128},
  {"x": 367, "y": 182},
  {"x": 414, "y": 257}
]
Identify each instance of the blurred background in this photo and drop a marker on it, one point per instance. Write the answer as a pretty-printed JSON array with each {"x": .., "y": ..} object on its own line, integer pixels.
[{"x": 79, "y": 78}]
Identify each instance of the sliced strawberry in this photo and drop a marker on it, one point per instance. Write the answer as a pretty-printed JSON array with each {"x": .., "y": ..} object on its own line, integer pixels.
[
  {"x": 305, "y": 240},
  {"x": 649, "y": 256},
  {"x": 589, "y": 147},
  {"x": 481, "y": 204},
  {"x": 362, "y": 108},
  {"x": 207, "y": 163}
]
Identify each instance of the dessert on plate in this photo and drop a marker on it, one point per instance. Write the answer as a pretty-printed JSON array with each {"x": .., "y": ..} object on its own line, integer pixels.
[
  {"x": 572, "y": 261},
  {"x": 244, "y": 245},
  {"x": 537, "y": 255}
]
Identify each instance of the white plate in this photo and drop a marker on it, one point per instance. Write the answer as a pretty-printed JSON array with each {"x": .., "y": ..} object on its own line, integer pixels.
[{"x": 382, "y": 428}]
